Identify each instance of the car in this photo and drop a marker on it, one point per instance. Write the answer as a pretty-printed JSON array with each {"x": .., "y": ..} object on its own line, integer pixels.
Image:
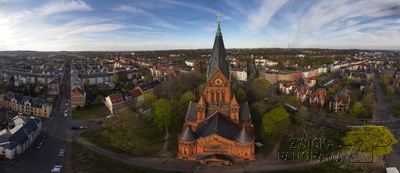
[
  {"x": 65, "y": 115},
  {"x": 110, "y": 116},
  {"x": 56, "y": 168},
  {"x": 89, "y": 121},
  {"x": 39, "y": 145},
  {"x": 61, "y": 153},
  {"x": 66, "y": 111},
  {"x": 44, "y": 138},
  {"x": 75, "y": 128},
  {"x": 82, "y": 127},
  {"x": 99, "y": 122}
]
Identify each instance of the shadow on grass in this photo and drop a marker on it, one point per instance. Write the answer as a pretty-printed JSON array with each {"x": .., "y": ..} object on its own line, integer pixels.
[{"x": 96, "y": 111}]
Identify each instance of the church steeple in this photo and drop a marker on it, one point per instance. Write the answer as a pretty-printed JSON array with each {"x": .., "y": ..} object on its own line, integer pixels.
[{"x": 218, "y": 58}]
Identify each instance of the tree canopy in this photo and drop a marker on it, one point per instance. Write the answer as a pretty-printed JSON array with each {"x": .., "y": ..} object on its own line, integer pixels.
[
  {"x": 371, "y": 139},
  {"x": 185, "y": 100},
  {"x": 148, "y": 100},
  {"x": 259, "y": 88},
  {"x": 126, "y": 131},
  {"x": 275, "y": 120},
  {"x": 115, "y": 78},
  {"x": 357, "y": 110},
  {"x": 163, "y": 115},
  {"x": 241, "y": 96}
]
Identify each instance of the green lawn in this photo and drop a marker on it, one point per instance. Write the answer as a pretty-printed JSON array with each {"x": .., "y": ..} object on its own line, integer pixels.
[
  {"x": 85, "y": 160},
  {"x": 96, "y": 111},
  {"x": 154, "y": 138},
  {"x": 396, "y": 110}
]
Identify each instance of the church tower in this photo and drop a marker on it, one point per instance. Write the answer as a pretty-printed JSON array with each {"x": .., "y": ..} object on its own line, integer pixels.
[{"x": 217, "y": 128}]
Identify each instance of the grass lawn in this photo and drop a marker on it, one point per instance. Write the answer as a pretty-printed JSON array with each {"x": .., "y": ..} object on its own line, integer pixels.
[
  {"x": 85, "y": 160},
  {"x": 154, "y": 136},
  {"x": 174, "y": 131},
  {"x": 396, "y": 110},
  {"x": 96, "y": 111}
]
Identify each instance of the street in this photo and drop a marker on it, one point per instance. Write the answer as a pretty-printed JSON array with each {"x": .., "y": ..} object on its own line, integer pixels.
[{"x": 383, "y": 116}]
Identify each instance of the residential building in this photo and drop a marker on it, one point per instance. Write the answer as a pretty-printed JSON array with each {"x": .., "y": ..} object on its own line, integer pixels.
[
  {"x": 78, "y": 97},
  {"x": 26, "y": 104},
  {"x": 217, "y": 128},
  {"x": 53, "y": 87},
  {"x": 318, "y": 97},
  {"x": 19, "y": 135},
  {"x": 286, "y": 87},
  {"x": 301, "y": 92},
  {"x": 340, "y": 102}
]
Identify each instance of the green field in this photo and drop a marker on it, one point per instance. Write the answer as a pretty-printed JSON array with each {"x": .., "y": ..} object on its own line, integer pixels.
[
  {"x": 85, "y": 160},
  {"x": 96, "y": 111}
]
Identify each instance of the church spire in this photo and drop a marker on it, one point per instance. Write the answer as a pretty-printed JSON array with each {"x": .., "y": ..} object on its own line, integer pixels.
[{"x": 218, "y": 58}]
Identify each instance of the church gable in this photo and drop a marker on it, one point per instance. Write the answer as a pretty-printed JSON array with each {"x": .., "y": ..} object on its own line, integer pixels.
[{"x": 218, "y": 79}]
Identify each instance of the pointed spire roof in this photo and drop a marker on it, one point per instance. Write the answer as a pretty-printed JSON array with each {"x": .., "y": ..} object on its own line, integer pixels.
[
  {"x": 201, "y": 101},
  {"x": 187, "y": 135},
  {"x": 244, "y": 137},
  {"x": 218, "y": 58},
  {"x": 234, "y": 101}
]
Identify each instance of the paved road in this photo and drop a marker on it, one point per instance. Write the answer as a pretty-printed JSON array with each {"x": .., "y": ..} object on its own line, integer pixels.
[{"x": 383, "y": 116}]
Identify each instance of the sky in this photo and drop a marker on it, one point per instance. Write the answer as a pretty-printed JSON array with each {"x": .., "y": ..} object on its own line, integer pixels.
[{"x": 132, "y": 25}]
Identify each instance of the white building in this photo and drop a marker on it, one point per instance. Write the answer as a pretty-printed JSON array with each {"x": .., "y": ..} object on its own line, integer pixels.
[{"x": 20, "y": 134}]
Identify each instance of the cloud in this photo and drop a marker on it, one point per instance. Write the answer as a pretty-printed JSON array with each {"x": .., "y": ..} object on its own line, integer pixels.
[
  {"x": 152, "y": 18},
  {"x": 57, "y": 7}
]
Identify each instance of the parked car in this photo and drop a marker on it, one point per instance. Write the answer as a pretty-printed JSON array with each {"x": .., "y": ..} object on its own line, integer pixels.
[
  {"x": 75, "y": 128},
  {"x": 39, "y": 145},
  {"x": 89, "y": 121},
  {"x": 56, "y": 168},
  {"x": 61, "y": 154},
  {"x": 65, "y": 115},
  {"x": 110, "y": 116},
  {"x": 44, "y": 138},
  {"x": 82, "y": 127}
]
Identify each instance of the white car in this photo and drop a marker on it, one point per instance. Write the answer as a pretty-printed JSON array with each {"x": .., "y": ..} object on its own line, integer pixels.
[
  {"x": 56, "y": 168},
  {"x": 62, "y": 152}
]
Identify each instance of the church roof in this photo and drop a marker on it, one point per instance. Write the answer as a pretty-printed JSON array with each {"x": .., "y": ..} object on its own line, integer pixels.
[
  {"x": 187, "y": 135},
  {"x": 244, "y": 136},
  {"x": 217, "y": 124},
  {"x": 218, "y": 58},
  {"x": 244, "y": 112}
]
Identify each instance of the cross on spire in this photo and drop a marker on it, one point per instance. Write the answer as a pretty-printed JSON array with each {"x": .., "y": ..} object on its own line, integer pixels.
[{"x": 219, "y": 15}]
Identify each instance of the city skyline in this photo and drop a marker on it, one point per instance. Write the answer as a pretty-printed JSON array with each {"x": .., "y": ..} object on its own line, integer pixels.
[{"x": 92, "y": 25}]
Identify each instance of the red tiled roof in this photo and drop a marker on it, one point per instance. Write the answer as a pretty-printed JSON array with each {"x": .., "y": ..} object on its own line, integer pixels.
[
  {"x": 136, "y": 92},
  {"x": 288, "y": 84},
  {"x": 303, "y": 89},
  {"x": 320, "y": 93},
  {"x": 116, "y": 97},
  {"x": 77, "y": 90}
]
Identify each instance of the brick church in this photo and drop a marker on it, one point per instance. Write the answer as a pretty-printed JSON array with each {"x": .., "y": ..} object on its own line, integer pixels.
[{"x": 217, "y": 128}]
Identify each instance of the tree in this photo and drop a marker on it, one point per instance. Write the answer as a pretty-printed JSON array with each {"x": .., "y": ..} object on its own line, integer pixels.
[
  {"x": 126, "y": 131},
  {"x": 357, "y": 110},
  {"x": 185, "y": 100},
  {"x": 86, "y": 83},
  {"x": 371, "y": 139},
  {"x": 241, "y": 96},
  {"x": 385, "y": 80},
  {"x": 148, "y": 100},
  {"x": 390, "y": 91},
  {"x": 163, "y": 115},
  {"x": 115, "y": 78},
  {"x": 292, "y": 100},
  {"x": 98, "y": 100},
  {"x": 259, "y": 88},
  {"x": 275, "y": 120},
  {"x": 301, "y": 116},
  {"x": 367, "y": 103}
]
